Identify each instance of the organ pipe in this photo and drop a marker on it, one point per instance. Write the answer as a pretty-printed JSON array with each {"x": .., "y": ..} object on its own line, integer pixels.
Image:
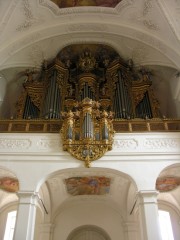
[
  {"x": 143, "y": 109},
  {"x": 113, "y": 85},
  {"x": 30, "y": 110},
  {"x": 87, "y": 126},
  {"x": 52, "y": 99}
]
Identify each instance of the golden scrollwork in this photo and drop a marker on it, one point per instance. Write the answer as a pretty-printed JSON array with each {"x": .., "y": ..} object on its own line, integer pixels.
[
  {"x": 138, "y": 96},
  {"x": 89, "y": 78},
  {"x": 139, "y": 88},
  {"x": 90, "y": 71},
  {"x": 154, "y": 103},
  {"x": 87, "y": 62},
  {"x": 36, "y": 93},
  {"x": 88, "y": 132},
  {"x": 20, "y": 104}
]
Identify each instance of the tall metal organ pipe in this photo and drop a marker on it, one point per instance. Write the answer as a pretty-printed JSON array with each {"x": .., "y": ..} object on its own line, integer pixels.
[
  {"x": 86, "y": 92},
  {"x": 30, "y": 110},
  {"x": 143, "y": 109},
  {"x": 122, "y": 105},
  {"x": 87, "y": 126},
  {"x": 52, "y": 104}
]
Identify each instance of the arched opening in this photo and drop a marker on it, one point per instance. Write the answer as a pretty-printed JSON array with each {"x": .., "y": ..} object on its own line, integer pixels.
[
  {"x": 95, "y": 196},
  {"x": 88, "y": 233},
  {"x": 9, "y": 185},
  {"x": 165, "y": 225},
  {"x": 168, "y": 184},
  {"x": 10, "y": 225}
]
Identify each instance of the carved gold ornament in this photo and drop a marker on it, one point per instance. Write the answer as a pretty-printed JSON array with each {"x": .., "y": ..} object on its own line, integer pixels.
[
  {"x": 87, "y": 62},
  {"x": 87, "y": 133}
]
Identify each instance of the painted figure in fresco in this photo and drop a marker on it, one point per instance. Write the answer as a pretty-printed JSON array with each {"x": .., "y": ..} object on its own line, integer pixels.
[
  {"x": 9, "y": 184},
  {"x": 78, "y": 3},
  {"x": 165, "y": 184},
  {"x": 88, "y": 185}
]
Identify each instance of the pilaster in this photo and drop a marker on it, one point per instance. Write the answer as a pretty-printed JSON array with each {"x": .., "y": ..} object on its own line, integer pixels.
[
  {"x": 46, "y": 231},
  {"x": 148, "y": 213},
  {"x": 131, "y": 230},
  {"x": 25, "y": 222}
]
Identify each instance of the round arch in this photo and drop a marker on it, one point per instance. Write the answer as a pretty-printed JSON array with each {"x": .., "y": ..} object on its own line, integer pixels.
[
  {"x": 96, "y": 30},
  {"x": 64, "y": 206},
  {"x": 88, "y": 232},
  {"x": 80, "y": 171},
  {"x": 169, "y": 178},
  {"x": 168, "y": 184}
]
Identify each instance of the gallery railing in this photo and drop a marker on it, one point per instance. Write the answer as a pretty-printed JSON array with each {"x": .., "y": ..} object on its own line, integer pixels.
[{"x": 120, "y": 125}]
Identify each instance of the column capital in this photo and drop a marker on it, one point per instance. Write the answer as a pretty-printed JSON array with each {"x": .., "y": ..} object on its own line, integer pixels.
[
  {"x": 147, "y": 196},
  {"x": 27, "y": 197},
  {"x": 26, "y": 193},
  {"x": 148, "y": 192}
]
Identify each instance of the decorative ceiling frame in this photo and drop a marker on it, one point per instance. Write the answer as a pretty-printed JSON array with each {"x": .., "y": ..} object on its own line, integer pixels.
[{"x": 90, "y": 9}]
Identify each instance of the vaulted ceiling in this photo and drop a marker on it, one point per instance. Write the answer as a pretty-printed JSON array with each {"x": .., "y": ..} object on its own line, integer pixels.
[{"x": 145, "y": 30}]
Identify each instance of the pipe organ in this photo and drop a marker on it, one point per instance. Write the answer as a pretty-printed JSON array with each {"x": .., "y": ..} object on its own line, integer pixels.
[
  {"x": 88, "y": 71},
  {"x": 86, "y": 87}
]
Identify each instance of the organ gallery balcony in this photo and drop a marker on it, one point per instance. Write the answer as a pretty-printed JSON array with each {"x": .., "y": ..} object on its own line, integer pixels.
[{"x": 121, "y": 125}]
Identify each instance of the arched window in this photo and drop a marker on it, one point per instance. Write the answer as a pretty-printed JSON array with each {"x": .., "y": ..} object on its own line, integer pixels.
[
  {"x": 10, "y": 225},
  {"x": 165, "y": 225}
]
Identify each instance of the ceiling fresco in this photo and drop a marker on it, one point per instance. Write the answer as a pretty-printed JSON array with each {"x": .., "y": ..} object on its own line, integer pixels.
[
  {"x": 9, "y": 184},
  {"x": 81, "y": 3},
  {"x": 165, "y": 184},
  {"x": 88, "y": 185}
]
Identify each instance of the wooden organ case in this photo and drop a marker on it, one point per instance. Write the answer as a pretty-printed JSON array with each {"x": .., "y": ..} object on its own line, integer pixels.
[{"x": 88, "y": 71}]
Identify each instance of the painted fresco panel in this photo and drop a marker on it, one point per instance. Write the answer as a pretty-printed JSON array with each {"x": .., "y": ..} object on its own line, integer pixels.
[
  {"x": 81, "y": 3},
  {"x": 88, "y": 185},
  {"x": 9, "y": 184},
  {"x": 165, "y": 184}
]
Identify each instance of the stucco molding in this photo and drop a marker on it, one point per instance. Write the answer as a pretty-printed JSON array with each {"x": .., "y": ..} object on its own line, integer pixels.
[
  {"x": 161, "y": 143},
  {"x": 125, "y": 144},
  {"x": 131, "y": 143},
  {"x": 8, "y": 15},
  {"x": 13, "y": 143},
  {"x": 171, "y": 19},
  {"x": 95, "y": 31},
  {"x": 75, "y": 10}
]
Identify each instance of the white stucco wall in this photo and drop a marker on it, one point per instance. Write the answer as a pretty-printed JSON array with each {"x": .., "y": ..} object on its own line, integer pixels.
[
  {"x": 86, "y": 213},
  {"x": 141, "y": 156},
  {"x": 35, "y": 157}
]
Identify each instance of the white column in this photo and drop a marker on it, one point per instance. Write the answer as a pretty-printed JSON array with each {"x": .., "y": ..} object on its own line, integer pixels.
[
  {"x": 46, "y": 231},
  {"x": 131, "y": 230},
  {"x": 148, "y": 213},
  {"x": 25, "y": 222}
]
